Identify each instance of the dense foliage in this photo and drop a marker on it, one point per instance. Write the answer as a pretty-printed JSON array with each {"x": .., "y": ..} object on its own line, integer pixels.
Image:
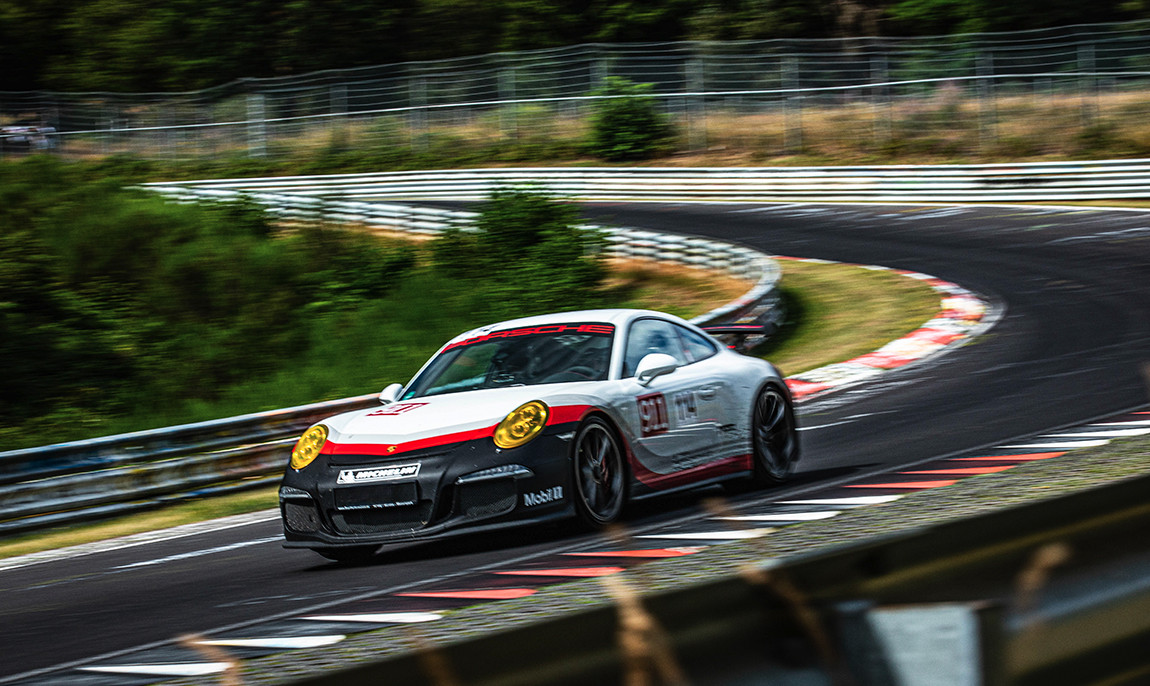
[
  {"x": 173, "y": 45},
  {"x": 627, "y": 124},
  {"x": 120, "y": 311},
  {"x": 527, "y": 255}
]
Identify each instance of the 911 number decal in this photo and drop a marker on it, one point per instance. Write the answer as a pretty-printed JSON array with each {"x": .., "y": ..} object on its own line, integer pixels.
[{"x": 653, "y": 414}]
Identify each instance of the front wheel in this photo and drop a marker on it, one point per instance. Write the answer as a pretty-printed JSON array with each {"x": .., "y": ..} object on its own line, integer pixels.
[
  {"x": 600, "y": 475},
  {"x": 774, "y": 437}
]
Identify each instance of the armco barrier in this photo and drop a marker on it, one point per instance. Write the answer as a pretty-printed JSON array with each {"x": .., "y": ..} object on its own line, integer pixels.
[
  {"x": 59, "y": 484},
  {"x": 1041, "y": 181},
  {"x": 937, "y": 604}
]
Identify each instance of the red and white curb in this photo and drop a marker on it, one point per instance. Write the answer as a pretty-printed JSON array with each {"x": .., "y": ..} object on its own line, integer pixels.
[{"x": 961, "y": 316}]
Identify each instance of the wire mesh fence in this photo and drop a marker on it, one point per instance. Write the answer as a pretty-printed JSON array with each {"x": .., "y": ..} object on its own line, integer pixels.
[{"x": 950, "y": 94}]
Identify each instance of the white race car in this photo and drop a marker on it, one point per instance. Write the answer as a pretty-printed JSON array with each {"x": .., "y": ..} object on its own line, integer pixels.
[{"x": 562, "y": 415}]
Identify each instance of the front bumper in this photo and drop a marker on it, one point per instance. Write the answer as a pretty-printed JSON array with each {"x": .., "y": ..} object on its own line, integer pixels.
[{"x": 348, "y": 500}]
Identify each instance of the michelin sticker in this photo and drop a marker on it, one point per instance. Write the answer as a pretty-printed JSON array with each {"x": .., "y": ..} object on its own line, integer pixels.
[{"x": 391, "y": 473}]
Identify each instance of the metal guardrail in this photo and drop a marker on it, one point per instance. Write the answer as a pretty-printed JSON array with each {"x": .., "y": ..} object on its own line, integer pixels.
[
  {"x": 1043, "y": 181},
  {"x": 877, "y": 612},
  {"x": 82, "y": 480}
]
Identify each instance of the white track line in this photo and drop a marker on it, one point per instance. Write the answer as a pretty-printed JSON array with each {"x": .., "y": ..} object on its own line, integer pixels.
[
  {"x": 793, "y": 517},
  {"x": 276, "y": 642},
  {"x": 853, "y": 500},
  {"x": 379, "y": 618},
  {"x": 199, "y": 553},
  {"x": 139, "y": 539},
  {"x": 1062, "y": 445},
  {"x": 714, "y": 535},
  {"x": 170, "y": 669}
]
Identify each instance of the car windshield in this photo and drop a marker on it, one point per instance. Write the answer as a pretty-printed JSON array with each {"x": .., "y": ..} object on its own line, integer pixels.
[{"x": 560, "y": 353}]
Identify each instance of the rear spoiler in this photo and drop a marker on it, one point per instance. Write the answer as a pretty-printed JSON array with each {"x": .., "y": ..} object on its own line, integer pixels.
[{"x": 741, "y": 332}]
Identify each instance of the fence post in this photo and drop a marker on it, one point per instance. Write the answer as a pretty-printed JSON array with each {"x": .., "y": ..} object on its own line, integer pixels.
[
  {"x": 880, "y": 75},
  {"x": 793, "y": 106},
  {"x": 696, "y": 104},
  {"x": 338, "y": 106},
  {"x": 257, "y": 126},
  {"x": 1087, "y": 84},
  {"x": 600, "y": 70},
  {"x": 987, "y": 110},
  {"x": 418, "y": 125},
  {"x": 508, "y": 120}
]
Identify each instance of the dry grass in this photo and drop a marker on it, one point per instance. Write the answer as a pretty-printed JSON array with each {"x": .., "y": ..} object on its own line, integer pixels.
[
  {"x": 1036, "y": 122},
  {"x": 837, "y": 312},
  {"x": 677, "y": 289}
]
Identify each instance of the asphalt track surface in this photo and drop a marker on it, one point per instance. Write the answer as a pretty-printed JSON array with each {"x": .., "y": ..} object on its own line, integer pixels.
[{"x": 1073, "y": 287}]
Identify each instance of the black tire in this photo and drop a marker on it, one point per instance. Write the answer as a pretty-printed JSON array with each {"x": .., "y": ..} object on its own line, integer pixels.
[
  {"x": 599, "y": 474},
  {"x": 354, "y": 555},
  {"x": 774, "y": 436}
]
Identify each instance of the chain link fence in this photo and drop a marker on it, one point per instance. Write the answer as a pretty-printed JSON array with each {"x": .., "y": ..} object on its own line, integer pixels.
[{"x": 955, "y": 94}]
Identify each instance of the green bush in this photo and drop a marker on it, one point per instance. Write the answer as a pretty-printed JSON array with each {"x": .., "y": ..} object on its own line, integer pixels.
[
  {"x": 527, "y": 255},
  {"x": 626, "y": 123}
]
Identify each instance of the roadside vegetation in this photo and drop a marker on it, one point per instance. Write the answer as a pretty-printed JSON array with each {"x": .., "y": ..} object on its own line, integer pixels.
[
  {"x": 154, "y": 45},
  {"x": 825, "y": 324}
]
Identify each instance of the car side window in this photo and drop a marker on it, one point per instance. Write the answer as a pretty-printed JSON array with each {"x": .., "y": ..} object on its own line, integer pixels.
[
  {"x": 651, "y": 336},
  {"x": 698, "y": 347}
]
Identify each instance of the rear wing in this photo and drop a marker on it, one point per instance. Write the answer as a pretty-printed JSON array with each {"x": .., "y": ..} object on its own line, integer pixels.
[{"x": 736, "y": 335}]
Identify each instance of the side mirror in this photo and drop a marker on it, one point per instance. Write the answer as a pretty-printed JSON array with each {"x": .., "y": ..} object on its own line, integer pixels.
[
  {"x": 653, "y": 365},
  {"x": 390, "y": 394}
]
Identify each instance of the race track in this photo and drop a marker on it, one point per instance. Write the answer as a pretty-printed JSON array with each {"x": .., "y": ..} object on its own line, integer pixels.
[{"x": 1073, "y": 287}]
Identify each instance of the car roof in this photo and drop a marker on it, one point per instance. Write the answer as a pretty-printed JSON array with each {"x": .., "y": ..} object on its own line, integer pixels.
[{"x": 616, "y": 316}]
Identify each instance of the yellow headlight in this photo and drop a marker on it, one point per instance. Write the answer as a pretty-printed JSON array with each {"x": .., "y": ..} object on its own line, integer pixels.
[
  {"x": 521, "y": 425},
  {"x": 308, "y": 446}
]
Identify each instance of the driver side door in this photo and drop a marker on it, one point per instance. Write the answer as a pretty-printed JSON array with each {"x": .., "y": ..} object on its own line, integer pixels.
[{"x": 668, "y": 419}]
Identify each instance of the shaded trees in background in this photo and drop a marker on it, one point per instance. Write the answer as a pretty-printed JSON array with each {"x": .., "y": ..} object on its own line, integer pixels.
[
  {"x": 175, "y": 45},
  {"x": 110, "y": 298}
]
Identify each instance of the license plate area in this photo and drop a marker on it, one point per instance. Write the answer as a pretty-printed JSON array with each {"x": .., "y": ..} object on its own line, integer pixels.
[{"x": 376, "y": 496}]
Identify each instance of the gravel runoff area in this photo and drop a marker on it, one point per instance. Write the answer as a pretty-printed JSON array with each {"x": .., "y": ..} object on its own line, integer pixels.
[{"x": 1029, "y": 482}]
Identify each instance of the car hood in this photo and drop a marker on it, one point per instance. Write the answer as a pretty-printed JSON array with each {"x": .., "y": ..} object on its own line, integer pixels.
[{"x": 467, "y": 415}]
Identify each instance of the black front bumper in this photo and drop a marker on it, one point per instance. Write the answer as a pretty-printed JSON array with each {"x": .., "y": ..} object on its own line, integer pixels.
[{"x": 461, "y": 488}]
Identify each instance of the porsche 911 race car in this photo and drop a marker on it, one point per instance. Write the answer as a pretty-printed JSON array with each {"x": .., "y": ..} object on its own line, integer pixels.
[{"x": 563, "y": 415}]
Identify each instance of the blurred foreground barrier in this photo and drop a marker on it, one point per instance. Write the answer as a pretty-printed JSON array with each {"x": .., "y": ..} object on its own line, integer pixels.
[
  {"x": 1055, "y": 593},
  {"x": 83, "y": 480},
  {"x": 1024, "y": 182}
]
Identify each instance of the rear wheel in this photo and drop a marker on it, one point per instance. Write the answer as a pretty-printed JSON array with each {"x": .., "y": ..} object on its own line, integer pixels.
[
  {"x": 774, "y": 437},
  {"x": 600, "y": 476}
]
